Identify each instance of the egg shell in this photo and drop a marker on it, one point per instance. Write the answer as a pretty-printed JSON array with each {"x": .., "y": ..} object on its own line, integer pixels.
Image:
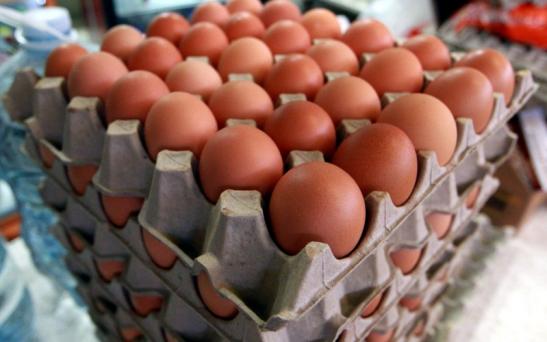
[
  {"x": 372, "y": 306},
  {"x": 241, "y": 99},
  {"x": 239, "y": 158},
  {"x": 132, "y": 96},
  {"x": 194, "y": 77},
  {"x": 178, "y": 121},
  {"x": 156, "y": 55},
  {"x": 439, "y": 223},
  {"x": 118, "y": 209},
  {"x": 380, "y": 157},
  {"x": 121, "y": 41},
  {"x": 109, "y": 269},
  {"x": 277, "y": 10},
  {"x": 80, "y": 177},
  {"x": 160, "y": 254},
  {"x": 411, "y": 303},
  {"x": 46, "y": 155},
  {"x": 61, "y": 60},
  {"x": 380, "y": 336},
  {"x": 472, "y": 196},
  {"x": 212, "y": 12},
  {"x": 394, "y": 70},
  {"x": 406, "y": 259},
  {"x": 467, "y": 93},
  {"x": 349, "y": 98},
  {"x": 317, "y": 201},
  {"x": 295, "y": 74},
  {"x": 130, "y": 333},
  {"x": 334, "y": 56},
  {"x": 419, "y": 328},
  {"x": 145, "y": 304},
  {"x": 427, "y": 121},
  {"x": 287, "y": 36},
  {"x": 204, "y": 39},
  {"x": 244, "y": 24},
  {"x": 301, "y": 125},
  {"x": 218, "y": 305},
  {"x": 368, "y": 36},
  {"x": 495, "y": 66},
  {"x": 321, "y": 23},
  {"x": 246, "y": 55},
  {"x": 168, "y": 25},
  {"x": 94, "y": 74},
  {"x": 430, "y": 50},
  {"x": 252, "y": 6},
  {"x": 77, "y": 244}
]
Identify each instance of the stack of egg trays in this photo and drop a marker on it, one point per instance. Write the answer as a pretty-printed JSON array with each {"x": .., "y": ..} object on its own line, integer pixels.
[{"x": 278, "y": 295}]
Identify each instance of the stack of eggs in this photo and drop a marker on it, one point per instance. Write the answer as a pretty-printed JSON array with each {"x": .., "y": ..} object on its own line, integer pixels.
[{"x": 218, "y": 86}]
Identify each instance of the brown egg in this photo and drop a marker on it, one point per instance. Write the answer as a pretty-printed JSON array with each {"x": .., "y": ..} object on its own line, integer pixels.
[
  {"x": 367, "y": 35},
  {"x": 467, "y": 93},
  {"x": 320, "y": 202},
  {"x": 411, "y": 303},
  {"x": 427, "y": 121},
  {"x": 156, "y": 55},
  {"x": 349, "y": 98},
  {"x": 439, "y": 223},
  {"x": 394, "y": 70},
  {"x": 194, "y": 77},
  {"x": 301, "y": 125},
  {"x": 178, "y": 121},
  {"x": 159, "y": 253},
  {"x": 252, "y": 6},
  {"x": 430, "y": 50},
  {"x": 277, "y": 10},
  {"x": 80, "y": 177},
  {"x": 118, "y": 209},
  {"x": 380, "y": 157},
  {"x": 244, "y": 24},
  {"x": 472, "y": 196},
  {"x": 406, "y": 259},
  {"x": 168, "y": 25},
  {"x": 380, "y": 336},
  {"x": 109, "y": 269},
  {"x": 145, "y": 304},
  {"x": 76, "y": 242},
  {"x": 239, "y": 158},
  {"x": 241, "y": 100},
  {"x": 372, "y": 306},
  {"x": 419, "y": 328},
  {"x": 494, "y": 65},
  {"x": 204, "y": 39},
  {"x": 62, "y": 58},
  {"x": 94, "y": 74},
  {"x": 48, "y": 158},
  {"x": 212, "y": 12},
  {"x": 132, "y": 96},
  {"x": 333, "y": 55},
  {"x": 321, "y": 23},
  {"x": 246, "y": 56},
  {"x": 218, "y": 305},
  {"x": 287, "y": 36},
  {"x": 130, "y": 333},
  {"x": 295, "y": 74},
  {"x": 121, "y": 40}
]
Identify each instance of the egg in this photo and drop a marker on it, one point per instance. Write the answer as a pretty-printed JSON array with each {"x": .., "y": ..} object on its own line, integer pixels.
[
  {"x": 239, "y": 158},
  {"x": 240, "y": 99},
  {"x": 372, "y": 306},
  {"x": 406, "y": 259},
  {"x": 321, "y": 23},
  {"x": 244, "y": 24},
  {"x": 295, "y": 74},
  {"x": 367, "y": 36},
  {"x": 218, "y": 305},
  {"x": 132, "y": 96},
  {"x": 108, "y": 269},
  {"x": 467, "y": 93},
  {"x": 380, "y": 157},
  {"x": 472, "y": 197},
  {"x": 178, "y": 122},
  {"x": 246, "y": 55},
  {"x": 439, "y": 223},
  {"x": 394, "y": 70},
  {"x": 349, "y": 98},
  {"x": 494, "y": 65},
  {"x": 301, "y": 125},
  {"x": 277, "y": 10},
  {"x": 121, "y": 40},
  {"x": 334, "y": 56},
  {"x": 430, "y": 50},
  {"x": 287, "y": 36},
  {"x": 252, "y": 6},
  {"x": 118, "y": 209},
  {"x": 170, "y": 26},
  {"x": 212, "y": 12},
  {"x": 194, "y": 77},
  {"x": 317, "y": 201},
  {"x": 427, "y": 121},
  {"x": 156, "y": 55},
  {"x": 411, "y": 303},
  {"x": 204, "y": 39},
  {"x": 80, "y": 177},
  {"x": 61, "y": 60},
  {"x": 94, "y": 74},
  {"x": 162, "y": 255},
  {"x": 380, "y": 336}
]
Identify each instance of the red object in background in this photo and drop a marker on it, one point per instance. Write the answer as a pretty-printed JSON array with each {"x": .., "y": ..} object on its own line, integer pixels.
[{"x": 526, "y": 23}]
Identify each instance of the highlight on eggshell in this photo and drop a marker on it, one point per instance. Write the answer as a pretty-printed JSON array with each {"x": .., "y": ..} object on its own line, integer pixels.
[
  {"x": 168, "y": 25},
  {"x": 212, "y": 12},
  {"x": 368, "y": 36},
  {"x": 321, "y": 24},
  {"x": 287, "y": 36},
  {"x": 204, "y": 40},
  {"x": 244, "y": 24},
  {"x": 154, "y": 54},
  {"x": 121, "y": 41},
  {"x": 334, "y": 56},
  {"x": 276, "y": 10},
  {"x": 194, "y": 77},
  {"x": 246, "y": 56}
]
